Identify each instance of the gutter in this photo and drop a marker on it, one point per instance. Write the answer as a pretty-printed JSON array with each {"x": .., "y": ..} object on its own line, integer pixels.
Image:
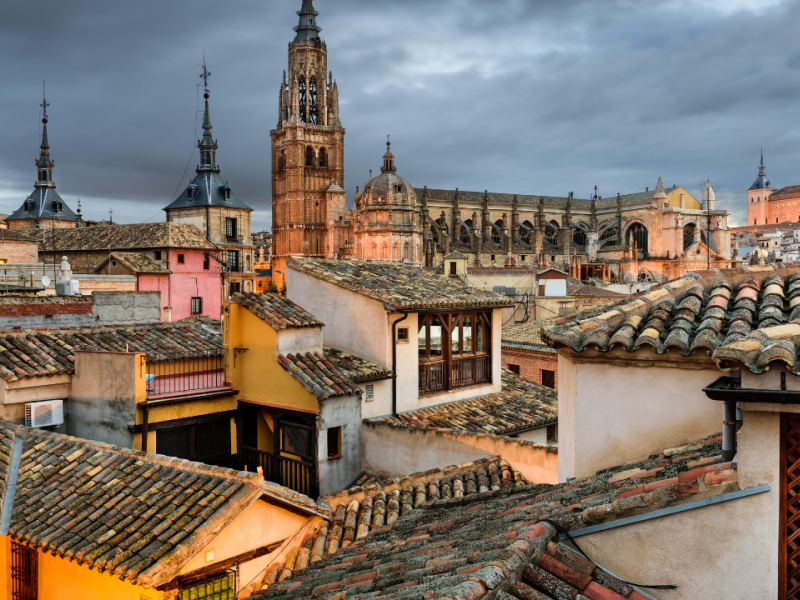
[
  {"x": 11, "y": 487},
  {"x": 721, "y": 389},
  {"x": 394, "y": 354}
]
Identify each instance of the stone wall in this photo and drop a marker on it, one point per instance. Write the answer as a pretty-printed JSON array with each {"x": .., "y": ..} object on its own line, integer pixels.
[
  {"x": 531, "y": 363},
  {"x": 18, "y": 252}
]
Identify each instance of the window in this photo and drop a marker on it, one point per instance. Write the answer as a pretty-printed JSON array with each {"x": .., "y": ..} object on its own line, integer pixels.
[
  {"x": 492, "y": 256},
  {"x": 514, "y": 369},
  {"x": 370, "y": 393},
  {"x": 638, "y": 235},
  {"x": 221, "y": 588},
  {"x": 232, "y": 258},
  {"x": 552, "y": 437},
  {"x": 157, "y": 254},
  {"x": 24, "y": 567},
  {"x": 549, "y": 379},
  {"x": 208, "y": 442},
  {"x": 206, "y": 262},
  {"x": 402, "y": 335},
  {"x": 235, "y": 288},
  {"x": 197, "y": 306},
  {"x": 688, "y": 235},
  {"x": 323, "y": 158},
  {"x": 230, "y": 229},
  {"x": 181, "y": 259},
  {"x": 334, "y": 442},
  {"x": 309, "y": 156},
  {"x": 302, "y": 98}
]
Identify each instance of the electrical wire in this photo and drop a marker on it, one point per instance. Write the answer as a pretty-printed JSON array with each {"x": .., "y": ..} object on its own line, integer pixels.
[{"x": 189, "y": 162}]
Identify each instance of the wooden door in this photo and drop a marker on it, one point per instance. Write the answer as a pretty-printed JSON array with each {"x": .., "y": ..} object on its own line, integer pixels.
[{"x": 790, "y": 508}]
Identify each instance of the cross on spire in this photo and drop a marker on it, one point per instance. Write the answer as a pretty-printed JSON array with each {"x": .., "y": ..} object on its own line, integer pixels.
[
  {"x": 44, "y": 103},
  {"x": 205, "y": 74}
]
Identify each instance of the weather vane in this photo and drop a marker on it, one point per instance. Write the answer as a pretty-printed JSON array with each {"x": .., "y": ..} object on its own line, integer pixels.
[
  {"x": 388, "y": 141},
  {"x": 44, "y": 103},
  {"x": 205, "y": 74}
]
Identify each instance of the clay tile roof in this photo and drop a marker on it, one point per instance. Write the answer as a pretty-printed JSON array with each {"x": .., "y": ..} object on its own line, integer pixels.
[
  {"x": 700, "y": 311},
  {"x": 357, "y": 369},
  {"x": 133, "y": 515},
  {"x": 319, "y": 375},
  {"x": 590, "y": 290},
  {"x": 6, "y": 445},
  {"x": 52, "y": 352},
  {"x": 520, "y": 406},
  {"x": 9, "y": 235},
  {"x": 438, "y": 545},
  {"x": 137, "y": 262},
  {"x": 276, "y": 310},
  {"x": 791, "y": 190},
  {"x": 137, "y": 236},
  {"x": 399, "y": 285},
  {"x": 528, "y": 336}
]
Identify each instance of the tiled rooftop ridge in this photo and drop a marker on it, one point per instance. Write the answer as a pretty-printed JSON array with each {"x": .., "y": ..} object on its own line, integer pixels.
[
  {"x": 528, "y": 336},
  {"x": 39, "y": 353},
  {"x": 399, "y": 285},
  {"x": 135, "y": 236},
  {"x": 689, "y": 315},
  {"x": 276, "y": 310},
  {"x": 139, "y": 263},
  {"x": 126, "y": 513},
  {"x": 520, "y": 405},
  {"x": 318, "y": 375},
  {"x": 356, "y": 368},
  {"x": 490, "y": 546}
]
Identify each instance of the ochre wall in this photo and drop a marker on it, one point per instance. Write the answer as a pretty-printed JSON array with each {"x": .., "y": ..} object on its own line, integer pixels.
[
  {"x": 16, "y": 393},
  {"x": 257, "y": 374},
  {"x": 19, "y": 252}
]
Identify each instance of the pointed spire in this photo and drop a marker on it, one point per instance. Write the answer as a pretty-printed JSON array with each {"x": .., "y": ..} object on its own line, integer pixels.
[
  {"x": 660, "y": 196},
  {"x": 45, "y": 163},
  {"x": 388, "y": 159},
  {"x": 307, "y": 29},
  {"x": 207, "y": 146},
  {"x": 761, "y": 181},
  {"x": 708, "y": 196}
]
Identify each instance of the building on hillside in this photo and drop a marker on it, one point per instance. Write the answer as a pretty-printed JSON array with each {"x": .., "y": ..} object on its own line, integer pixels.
[
  {"x": 308, "y": 195},
  {"x": 95, "y": 521},
  {"x": 300, "y": 415},
  {"x": 373, "y": 309},
  {"x": 475, "y": 534},
  {"x": 192, "y": 287},
  {"x": 17, "y": 248},
  {"x": 526, "y": 354},
  {"x": 210, "y": 205},
  {"x": 44, "y": 208}
]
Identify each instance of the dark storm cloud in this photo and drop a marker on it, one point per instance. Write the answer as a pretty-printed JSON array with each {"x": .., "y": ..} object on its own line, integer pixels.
[{"x": 520, "y": 96}]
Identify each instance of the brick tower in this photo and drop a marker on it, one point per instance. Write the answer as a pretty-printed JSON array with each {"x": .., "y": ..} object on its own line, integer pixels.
[{"x": 307, "y": 151}]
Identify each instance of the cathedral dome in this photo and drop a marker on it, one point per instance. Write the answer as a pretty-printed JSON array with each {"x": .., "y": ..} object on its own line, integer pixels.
[{"x": 389, "y": 187}]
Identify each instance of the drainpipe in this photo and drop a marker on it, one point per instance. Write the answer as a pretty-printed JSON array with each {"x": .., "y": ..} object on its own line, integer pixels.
[
  {"x": 394, "y": 354},
  {"x": 728, "y": 430}
]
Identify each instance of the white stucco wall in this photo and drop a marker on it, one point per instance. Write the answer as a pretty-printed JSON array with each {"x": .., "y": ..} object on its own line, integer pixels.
[
  {"x": 625, "y": 412},
  {"x": 299, "y": 341},
  {"x": 381, "y": 405},
  {"x": 340, "y": 473},
  {"x": 353, "y": 323}
]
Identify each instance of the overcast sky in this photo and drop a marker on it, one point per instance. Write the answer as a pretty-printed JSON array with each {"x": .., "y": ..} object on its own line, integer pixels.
[{"x": 517, "y": 96}]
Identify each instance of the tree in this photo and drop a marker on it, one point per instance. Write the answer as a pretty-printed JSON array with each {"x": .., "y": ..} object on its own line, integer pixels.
[{"x": 272, "y": 288}]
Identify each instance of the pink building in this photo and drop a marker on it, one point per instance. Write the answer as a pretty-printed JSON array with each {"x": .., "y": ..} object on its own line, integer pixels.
[{"x": 174, "y": 259}]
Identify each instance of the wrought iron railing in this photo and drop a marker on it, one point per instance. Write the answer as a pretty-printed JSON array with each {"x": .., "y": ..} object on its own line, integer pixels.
[
  {"x": 183, "y": 372},
  {"x": 463, "y": 371}
]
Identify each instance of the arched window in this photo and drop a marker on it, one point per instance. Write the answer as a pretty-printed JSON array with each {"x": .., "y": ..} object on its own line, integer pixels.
[
  {"x": 464, "y": 235},
  {"x": 374, "y": 254},
  {"x": 302, "y": 98},
  {"x": 689, "y": 231},
  {"x": 442, "y": 225},
  {"x": 550, "y": 234},
  {"x": 323, "y": 158},
  {"x": 385, "y": 252},
  {"x": 282, "y": 161},
  {"x": 312, "y": 101},
  {"x": 638, "y": 234},
  {"x": 579, "y": 237},
  {"x": 606, "y": 238},
  {"x": 406, "y": 251},
  {"x": 396, "y": 252},
  {"x": 497, "y": 232},
  {"x": 309, "y": 156},
  {"x": 525, "y": 232}
]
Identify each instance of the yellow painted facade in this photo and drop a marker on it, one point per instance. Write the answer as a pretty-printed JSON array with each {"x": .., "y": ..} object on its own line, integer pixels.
[
  {"x": 257, "y": 374},
  {"x": 679, "y": 194}
]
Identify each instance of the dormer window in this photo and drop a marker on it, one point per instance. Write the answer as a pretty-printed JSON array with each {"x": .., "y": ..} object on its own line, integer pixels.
[
  {"x": 191, "y": 192},
  {"x": 399, "y": 189},
  {"x": 58, "y": 206},
  {"x": 226, "y": 192}
]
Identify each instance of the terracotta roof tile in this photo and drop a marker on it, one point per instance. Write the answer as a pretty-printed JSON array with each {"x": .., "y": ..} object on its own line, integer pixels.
[
  {"x": 399, "y": 285},
  {"x": 52, "y": 352},
  {"x": 276, "y": 310},
  {"x": 137, "y": 262},
  {"x": 357, "y": 369},
  {"x": 528, "y": 336},
  {"x": 318, "y": 375},
  {"x": 590, "y": 290},
  {"x": 137, "y": 516},
  {"x": 137, "y": 236},
  {"x": 471, "y": 546},
  {"x": 6, "y": 446},
  {"x": 10, "y": 235},
  {"x": 520, "y": 406}
]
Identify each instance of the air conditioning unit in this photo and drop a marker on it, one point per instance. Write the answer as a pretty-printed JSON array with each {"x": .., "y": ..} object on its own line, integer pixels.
[
  {"x": 499, "y": 289},
  {"x": 511, "y": 291},
  {"x": 67, "y": 287},
  {"x": 44, "y": 414}
]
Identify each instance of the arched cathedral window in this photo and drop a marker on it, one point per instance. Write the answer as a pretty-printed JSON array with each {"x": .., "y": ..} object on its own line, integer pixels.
[
  {"x": 638, "y": 234},
  {"x": 551, "y": 234},
  {"x": 312, "y": 101},
  {"x": 323, "y": 158},
  {"x": 302, "y": 98},
  {"x": 579, "y": 237},
  {"x": 688, "y": 235},
  {"x": 309, "y": 156}
]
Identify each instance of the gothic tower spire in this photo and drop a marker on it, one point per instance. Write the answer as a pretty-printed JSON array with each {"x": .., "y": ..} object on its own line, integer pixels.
[
  {"x": 45, "y": 164},
  {"x": 307, "y": 29},
  {"x": 208, "y": 145}
]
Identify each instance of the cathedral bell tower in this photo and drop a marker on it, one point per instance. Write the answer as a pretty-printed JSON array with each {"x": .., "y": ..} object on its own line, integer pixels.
[{"x": 307, "y": 149}]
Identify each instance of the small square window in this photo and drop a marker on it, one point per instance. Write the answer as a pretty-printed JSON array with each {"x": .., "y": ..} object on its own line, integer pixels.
[
  {"x": 402, "y": 335},
  {"x": 514, "y": 369},
  {"x": 334, "y": 442},
  {"x": 206, "y": 262},
  {"x": 157, "y": 254},
  {"x": 181, "y": 259},
  {"x": 492, "y": 256},
  {"x": 552, "y": 438},
  {"x": 370, "y": 393},
  {"x": 197, "y": 306},
  {"x": 549, "y": 379}
]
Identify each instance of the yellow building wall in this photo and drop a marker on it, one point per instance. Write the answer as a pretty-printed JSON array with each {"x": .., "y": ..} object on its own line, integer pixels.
[
  {"x": 5, "y": 566},
  {"x": 60, "y": 579},
  {"x": 257, "y": 374},
  {"x": 674, "y": 199}
]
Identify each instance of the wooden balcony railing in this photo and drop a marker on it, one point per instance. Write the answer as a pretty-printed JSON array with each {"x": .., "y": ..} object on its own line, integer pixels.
[{"x": 460, "y": 371}]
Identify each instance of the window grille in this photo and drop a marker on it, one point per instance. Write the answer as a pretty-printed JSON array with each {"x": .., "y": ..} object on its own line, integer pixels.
[
  {"x": 197, "y": 306},
  {"x": 24, "y": 576},
  {"x": 402, "y": 334},
  {"x": 370, "y": 393},
  {"x": 230, "y": 228},
  {"x": 221, "y": 588}
]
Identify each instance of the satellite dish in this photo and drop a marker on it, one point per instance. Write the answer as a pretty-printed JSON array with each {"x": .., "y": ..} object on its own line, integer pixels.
[{"x": 45, "y": 281}]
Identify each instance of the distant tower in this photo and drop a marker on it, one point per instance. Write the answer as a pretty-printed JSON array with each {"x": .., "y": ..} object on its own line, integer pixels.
[
  {"x": 44, "y": 208},
  {"x": 307, "y": 150},
  {"x": 758, "y": 196},
  {"x": 660, "y": 196},
  {"x": 709, "y": 198}
]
